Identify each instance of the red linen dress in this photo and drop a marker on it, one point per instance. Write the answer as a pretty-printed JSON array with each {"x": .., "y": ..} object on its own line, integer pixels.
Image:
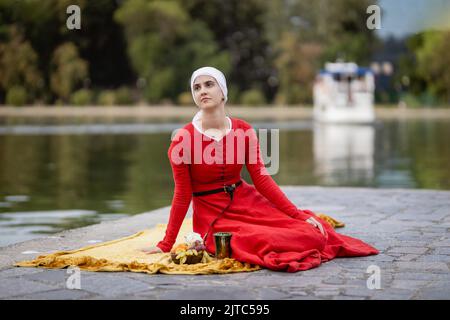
[{"x": 268, "y": 229}]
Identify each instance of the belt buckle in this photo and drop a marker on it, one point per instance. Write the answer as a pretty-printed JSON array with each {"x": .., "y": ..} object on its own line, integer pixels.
[{"x": 229, "y": 188}]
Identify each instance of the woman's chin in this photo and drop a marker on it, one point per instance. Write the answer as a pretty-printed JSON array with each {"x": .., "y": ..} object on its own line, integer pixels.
[{"x": 208, "y": 104}]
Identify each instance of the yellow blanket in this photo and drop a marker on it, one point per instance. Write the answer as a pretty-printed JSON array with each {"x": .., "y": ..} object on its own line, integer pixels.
[{"x": 125, "y": 255}]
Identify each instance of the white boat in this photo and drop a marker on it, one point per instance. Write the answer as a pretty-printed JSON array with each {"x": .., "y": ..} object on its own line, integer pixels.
[{"x": 344, "y": 93}]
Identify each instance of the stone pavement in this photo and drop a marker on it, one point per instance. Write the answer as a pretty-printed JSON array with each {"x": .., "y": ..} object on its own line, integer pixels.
[{"x": 409, "y": 227}]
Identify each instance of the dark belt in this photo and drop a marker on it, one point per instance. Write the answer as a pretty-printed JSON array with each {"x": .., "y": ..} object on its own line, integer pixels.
[
  {"x": 226, "y": 188},
  {"x": 229, "y": 189}
]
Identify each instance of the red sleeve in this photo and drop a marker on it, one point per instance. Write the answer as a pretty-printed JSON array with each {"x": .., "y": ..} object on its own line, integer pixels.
[
  {"x": 263, "y": 181},
  {"x": 181, "y": 197}
]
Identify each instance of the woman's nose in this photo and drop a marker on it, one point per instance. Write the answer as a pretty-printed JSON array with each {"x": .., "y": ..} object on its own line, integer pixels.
[{"x": 202, "y": 90}]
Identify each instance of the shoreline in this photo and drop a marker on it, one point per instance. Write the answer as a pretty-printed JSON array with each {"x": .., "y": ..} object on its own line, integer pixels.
[{"x": 186, "y": 112}]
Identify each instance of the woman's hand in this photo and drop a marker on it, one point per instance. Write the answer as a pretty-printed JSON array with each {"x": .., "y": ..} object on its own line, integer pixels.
[
  {"x": 150, "y": 250},
  {"x": 316, "y": 224}
]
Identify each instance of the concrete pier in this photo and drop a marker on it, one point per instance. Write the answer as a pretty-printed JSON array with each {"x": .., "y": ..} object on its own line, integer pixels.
[{"x": 411, "y": 228}]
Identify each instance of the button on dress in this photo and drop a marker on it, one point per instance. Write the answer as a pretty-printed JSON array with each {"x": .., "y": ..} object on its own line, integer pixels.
[{"x": 267, "y": 228}]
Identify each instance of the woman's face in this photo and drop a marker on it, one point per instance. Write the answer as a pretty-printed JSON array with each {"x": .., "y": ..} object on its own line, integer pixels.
[{"x": 207, "y": 92}]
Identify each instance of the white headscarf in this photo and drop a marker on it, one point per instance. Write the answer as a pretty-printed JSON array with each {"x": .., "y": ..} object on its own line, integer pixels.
[{"x": 213, "y": 72}]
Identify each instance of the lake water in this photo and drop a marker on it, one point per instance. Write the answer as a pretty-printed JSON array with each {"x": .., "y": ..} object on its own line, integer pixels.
[{"x": 61, "y": 176}]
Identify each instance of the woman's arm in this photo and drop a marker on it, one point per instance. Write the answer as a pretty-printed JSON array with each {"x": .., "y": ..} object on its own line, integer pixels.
[
  {"x": 263, "y": 181},
  {"x": 180, "y": 202}
]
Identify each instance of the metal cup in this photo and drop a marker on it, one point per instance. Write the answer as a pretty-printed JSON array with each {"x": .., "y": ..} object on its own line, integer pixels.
[{"x": 223, "y": 244}]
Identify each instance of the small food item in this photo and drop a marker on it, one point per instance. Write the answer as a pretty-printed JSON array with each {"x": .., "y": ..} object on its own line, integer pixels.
[
  {"x": 180, "y": 247},
  {"x": 192, "y": 237},
  {"x": 191, "y": 252}
]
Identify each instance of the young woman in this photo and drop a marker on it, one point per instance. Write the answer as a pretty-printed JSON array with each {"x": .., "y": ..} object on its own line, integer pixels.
[{"x": 267, "y": 228}]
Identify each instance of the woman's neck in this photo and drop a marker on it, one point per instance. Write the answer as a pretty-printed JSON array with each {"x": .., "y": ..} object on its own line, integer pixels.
[{"x": 214, "y": 119}]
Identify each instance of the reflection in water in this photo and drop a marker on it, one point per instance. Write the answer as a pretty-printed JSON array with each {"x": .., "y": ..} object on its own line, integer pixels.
[
  {"x": 22, "y": 226},
  {"x": 116, "y": 169},
  {"x": 106, "y": 174},
  {"x": 344, "y": 154}
]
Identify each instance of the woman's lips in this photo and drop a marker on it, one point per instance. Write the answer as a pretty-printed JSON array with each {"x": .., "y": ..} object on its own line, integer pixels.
[{"x": 203, "y": 99}]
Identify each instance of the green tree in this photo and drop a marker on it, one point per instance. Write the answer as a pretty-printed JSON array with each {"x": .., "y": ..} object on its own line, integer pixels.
[
  {"x": 100, "y": 41},
  {"x": 408, "y": 73},
  {"x": 18, "y": 63},
  {"x": 253, "y": 97},
  {"x": 40, "y": 23},
  {"x": 433, "y": 63},
  {"x": 239, "y": 28},
  {"x": 296, "y": 75},
  {"x": 68, "y": 70},
  {"x": 344, "y": 27},
  {"x": 165, "y": 45},
  {"x": 16, "y": 96}
]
